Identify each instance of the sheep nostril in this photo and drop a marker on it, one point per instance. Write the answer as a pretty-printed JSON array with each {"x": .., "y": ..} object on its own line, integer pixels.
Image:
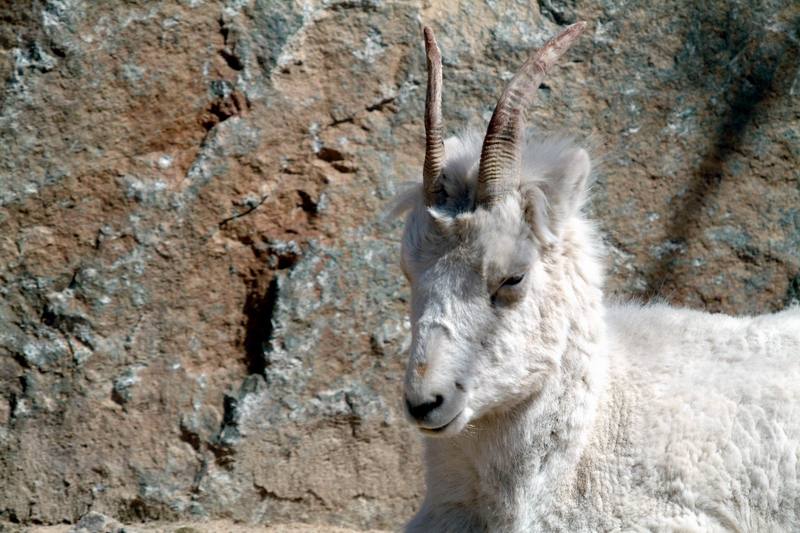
[
  {"x": 459, "y": 386},
  {"x": 420, "y": 411}
]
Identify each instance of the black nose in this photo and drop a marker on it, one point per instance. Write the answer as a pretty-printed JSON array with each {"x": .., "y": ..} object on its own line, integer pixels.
[{"x": 421, "y": 411}]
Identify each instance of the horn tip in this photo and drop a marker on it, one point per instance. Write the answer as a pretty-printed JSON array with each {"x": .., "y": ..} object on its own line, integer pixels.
[
  {"x": 561, "y": 42},
  {"x": 577, "y": 28},
  {"x": 430, "y": 43}
]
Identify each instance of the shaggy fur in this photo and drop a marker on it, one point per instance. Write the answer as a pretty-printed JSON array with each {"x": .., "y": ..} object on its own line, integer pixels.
[{"x": 561, "y": 412}]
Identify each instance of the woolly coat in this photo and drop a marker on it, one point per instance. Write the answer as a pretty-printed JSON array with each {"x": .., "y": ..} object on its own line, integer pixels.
[{"x": 655, "y": 418}]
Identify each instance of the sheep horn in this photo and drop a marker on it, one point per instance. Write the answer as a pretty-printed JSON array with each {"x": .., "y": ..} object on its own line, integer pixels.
[
  {"x": 434, "y": 146},
  {"x": 502, "y": 146}
]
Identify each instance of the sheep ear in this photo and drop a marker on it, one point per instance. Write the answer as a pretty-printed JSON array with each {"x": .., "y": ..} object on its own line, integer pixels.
[{"x": 561, "y": 196}]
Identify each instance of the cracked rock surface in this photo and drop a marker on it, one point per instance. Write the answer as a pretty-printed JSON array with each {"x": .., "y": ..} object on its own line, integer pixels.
[{"x": 201, "y": 311}]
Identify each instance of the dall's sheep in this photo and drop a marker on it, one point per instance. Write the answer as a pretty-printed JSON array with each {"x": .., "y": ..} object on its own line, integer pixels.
[{"x": 545, "y": 408}]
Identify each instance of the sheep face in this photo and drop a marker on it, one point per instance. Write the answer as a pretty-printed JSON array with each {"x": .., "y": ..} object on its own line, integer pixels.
[
  {"x": 487, "y": 310},
  {"x": 487, "y": 323}
]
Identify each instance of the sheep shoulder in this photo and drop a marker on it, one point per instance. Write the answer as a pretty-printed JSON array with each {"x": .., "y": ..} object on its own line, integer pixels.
[{"x": 702, "y": 422}]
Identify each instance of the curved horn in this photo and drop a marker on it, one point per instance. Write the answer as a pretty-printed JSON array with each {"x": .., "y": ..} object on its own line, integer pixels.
[
  {"x": 434, "y": 146},
  {"x": 502, "y": 146}
]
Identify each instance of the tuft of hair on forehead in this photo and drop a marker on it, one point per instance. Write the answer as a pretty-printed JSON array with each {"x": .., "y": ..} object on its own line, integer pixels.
[{"x": 544, "y": 180}]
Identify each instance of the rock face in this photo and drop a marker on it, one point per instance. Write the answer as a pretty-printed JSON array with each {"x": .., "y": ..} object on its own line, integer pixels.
[{"x": 201, "y": 312}]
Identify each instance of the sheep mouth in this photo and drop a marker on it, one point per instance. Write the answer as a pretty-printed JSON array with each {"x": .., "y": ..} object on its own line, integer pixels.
[{"x": 441, "y": 429}]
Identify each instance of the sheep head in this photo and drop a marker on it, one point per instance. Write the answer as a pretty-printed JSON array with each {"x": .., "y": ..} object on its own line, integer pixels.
[{"x": 478, "y": 247}]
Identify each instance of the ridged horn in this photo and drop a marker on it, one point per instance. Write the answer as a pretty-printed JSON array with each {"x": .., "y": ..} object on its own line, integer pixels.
[
  {"x": 502, "y": 147},
  {"x": 434, "y": 145}
]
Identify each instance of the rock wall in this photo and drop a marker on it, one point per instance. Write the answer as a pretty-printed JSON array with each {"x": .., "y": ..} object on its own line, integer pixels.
[{"x": 201, "y": 313}]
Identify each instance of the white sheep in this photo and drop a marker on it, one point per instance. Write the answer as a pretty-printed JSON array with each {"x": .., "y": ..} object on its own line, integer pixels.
[{"x": 545, "y": 408}]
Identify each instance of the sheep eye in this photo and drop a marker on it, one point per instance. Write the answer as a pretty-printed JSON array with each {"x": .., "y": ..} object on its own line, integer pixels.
[
  {"x": 513, "y": 280},
  {"x": 507, "y": 297}
]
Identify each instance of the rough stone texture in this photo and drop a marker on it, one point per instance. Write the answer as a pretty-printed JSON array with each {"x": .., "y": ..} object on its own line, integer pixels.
[
  {"x": 201, "y": 313},
  {"x": 99, "y": 523}
]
